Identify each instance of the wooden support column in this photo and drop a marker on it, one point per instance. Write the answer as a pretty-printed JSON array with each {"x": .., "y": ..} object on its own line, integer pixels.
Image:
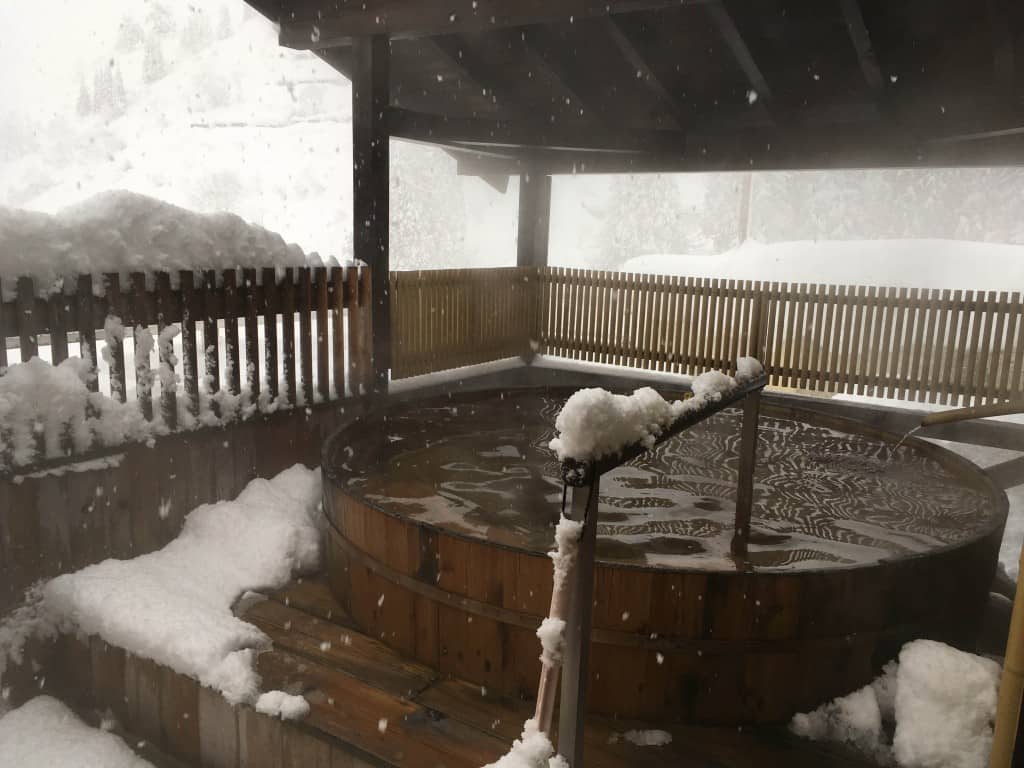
[
  {"x": 576, "y": 657},
  {"x": 534, "y": 219},
  {"x": 370, "y": 170}
]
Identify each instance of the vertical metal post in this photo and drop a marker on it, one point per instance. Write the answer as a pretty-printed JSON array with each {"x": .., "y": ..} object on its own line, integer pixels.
[
  {"x": 745, "y": 483},
  {"x": 577, "y": 630}
]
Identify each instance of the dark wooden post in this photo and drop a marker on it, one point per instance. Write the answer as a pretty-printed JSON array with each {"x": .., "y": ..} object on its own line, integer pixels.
[
  {"x": 573, "y": 707},
  {"x": 745, "y": 482},
  {"x": 370, "y": 167},
  {"x": 534, "y": 219}
]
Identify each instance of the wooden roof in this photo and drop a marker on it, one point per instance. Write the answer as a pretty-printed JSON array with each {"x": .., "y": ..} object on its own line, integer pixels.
[{"x": 635, "y": 85}]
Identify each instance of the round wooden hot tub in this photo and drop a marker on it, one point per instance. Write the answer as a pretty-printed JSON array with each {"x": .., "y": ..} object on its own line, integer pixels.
[{"x": 440, "y": 513}]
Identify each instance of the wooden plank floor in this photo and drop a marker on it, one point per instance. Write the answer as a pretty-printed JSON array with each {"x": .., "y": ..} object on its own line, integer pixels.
[{"x": 386, "y": 709}]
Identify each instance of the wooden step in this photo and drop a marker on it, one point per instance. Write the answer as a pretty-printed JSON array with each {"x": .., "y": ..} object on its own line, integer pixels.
[
  {"x": 369, "y": 707},
  {"x": 454, "y": 723}
]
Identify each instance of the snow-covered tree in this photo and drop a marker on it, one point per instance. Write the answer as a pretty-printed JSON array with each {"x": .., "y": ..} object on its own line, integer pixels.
[
  {"x": 645, "y": 215},
  {"x": 153, "y": 65},
  {"x": 103, "y": 89},
  {"x": 160, "y": 20},
  {"x": 427, "y": 210},
  {"x": 120, "y": 96},
  {"x": 84, "y": 104},
  {"x": 129, "y": 34},
  {"x": 197, "y": 33},
  {"x": 224, "y": 26},
  {"x": 720, "y": 215}
]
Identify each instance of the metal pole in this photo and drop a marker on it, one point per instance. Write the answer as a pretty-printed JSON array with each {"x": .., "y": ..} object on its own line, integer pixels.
[
  {"x": 745, "y": 483},
  {"x": 577, "y": 630}
]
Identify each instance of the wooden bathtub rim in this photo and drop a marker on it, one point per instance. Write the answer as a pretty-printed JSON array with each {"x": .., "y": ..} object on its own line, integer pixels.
[{"x": 963, "y": 469}]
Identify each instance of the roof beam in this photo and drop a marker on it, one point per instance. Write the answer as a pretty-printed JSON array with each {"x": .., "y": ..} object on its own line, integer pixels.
[
  {"x": 496, "y": 135},
  {"x": 861, "y": 40},
  {"x": 628, "y": 48},
  {"x": 424, "y": 18},
  {"x": 789, "y": 150}
]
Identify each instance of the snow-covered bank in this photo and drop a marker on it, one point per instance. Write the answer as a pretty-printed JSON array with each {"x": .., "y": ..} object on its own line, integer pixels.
[
  {"x": 910, "y": 263},
  {"x": 937, "y": 702},
  {"x": 43, "y": 733},
  {"x": 125, "y": 232},
  {"x": 174, "y": 606}
]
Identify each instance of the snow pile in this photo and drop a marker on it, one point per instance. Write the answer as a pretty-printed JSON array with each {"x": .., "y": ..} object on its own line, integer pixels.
[
  {"x": 903, "y": 263},
  {"x": 126, "y": 232},
  {"x": 174, "y": 606},
  {"x": 595, "y": 423},
  {"x": 283, "y": 705},
  {"x": 937, "y": 702},
  {"x": 531, "y": 750},
  {"x": 748, "y": 368},
  {"x": 650, "y": 738},
  {"x": 52, "y": 404},
  {"x": 945, "y": 704},
  {"x": 43, "y": 733},
  {"x": 551, "y": 634},
  {"x": 29, "y": 620}
]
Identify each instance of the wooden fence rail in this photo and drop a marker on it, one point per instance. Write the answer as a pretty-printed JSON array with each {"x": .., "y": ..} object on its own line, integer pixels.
[
  {"x": 947, "y": 347},
  {"x": 213, "y": 302}
]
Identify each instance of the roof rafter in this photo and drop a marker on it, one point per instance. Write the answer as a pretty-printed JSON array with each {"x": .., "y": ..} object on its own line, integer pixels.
[
  {"x": 550, "y": 53},
  {"x": 730, "y": 33},
  {"x": 477, "y": 69},
  {"x": 862, "y": 44},
  {"x": 435, "y": 17},
  {"x": 639, "y": 63}
]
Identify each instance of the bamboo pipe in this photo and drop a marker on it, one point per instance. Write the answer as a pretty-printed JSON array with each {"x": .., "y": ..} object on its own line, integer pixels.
[
  {"x": 973, "y": 412},
  {"x": 1011, "y": 687},
  {"x": 547, "y": 688}
]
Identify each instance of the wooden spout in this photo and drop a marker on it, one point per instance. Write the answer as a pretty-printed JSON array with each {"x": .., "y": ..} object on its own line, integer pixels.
[{"x": 974, "y": 412}]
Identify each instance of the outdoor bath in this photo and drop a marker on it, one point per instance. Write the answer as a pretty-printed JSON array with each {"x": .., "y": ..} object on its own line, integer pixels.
[{"x": 440, "y": 513}]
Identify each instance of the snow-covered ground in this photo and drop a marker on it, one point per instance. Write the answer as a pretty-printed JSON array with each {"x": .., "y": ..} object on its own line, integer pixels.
[
  {"x": 174, "y": 606},
  {"x": 909, "y": 263},
  {"x": 43, "y": 733}
]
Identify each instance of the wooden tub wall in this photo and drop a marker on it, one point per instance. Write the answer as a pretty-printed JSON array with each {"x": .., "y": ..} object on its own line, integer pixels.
[{"x": 695, "y": 646}]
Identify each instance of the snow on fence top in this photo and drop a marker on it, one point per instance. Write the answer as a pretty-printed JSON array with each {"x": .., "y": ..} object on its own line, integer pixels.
[
  {"x": 126, "y": 232},
  {"x": 595, "y": 423}
]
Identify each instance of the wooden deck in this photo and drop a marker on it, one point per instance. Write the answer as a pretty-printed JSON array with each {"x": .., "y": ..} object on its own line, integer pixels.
[{"x": 371, "y": 705}]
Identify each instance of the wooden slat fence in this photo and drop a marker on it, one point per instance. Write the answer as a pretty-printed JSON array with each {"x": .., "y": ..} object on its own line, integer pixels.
[
  {"x": 444, "y": 319},
  {"x": 945, "y": 347},
  {"x": 937, "y": 346},
  {"x": 241, "y": 309}
]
